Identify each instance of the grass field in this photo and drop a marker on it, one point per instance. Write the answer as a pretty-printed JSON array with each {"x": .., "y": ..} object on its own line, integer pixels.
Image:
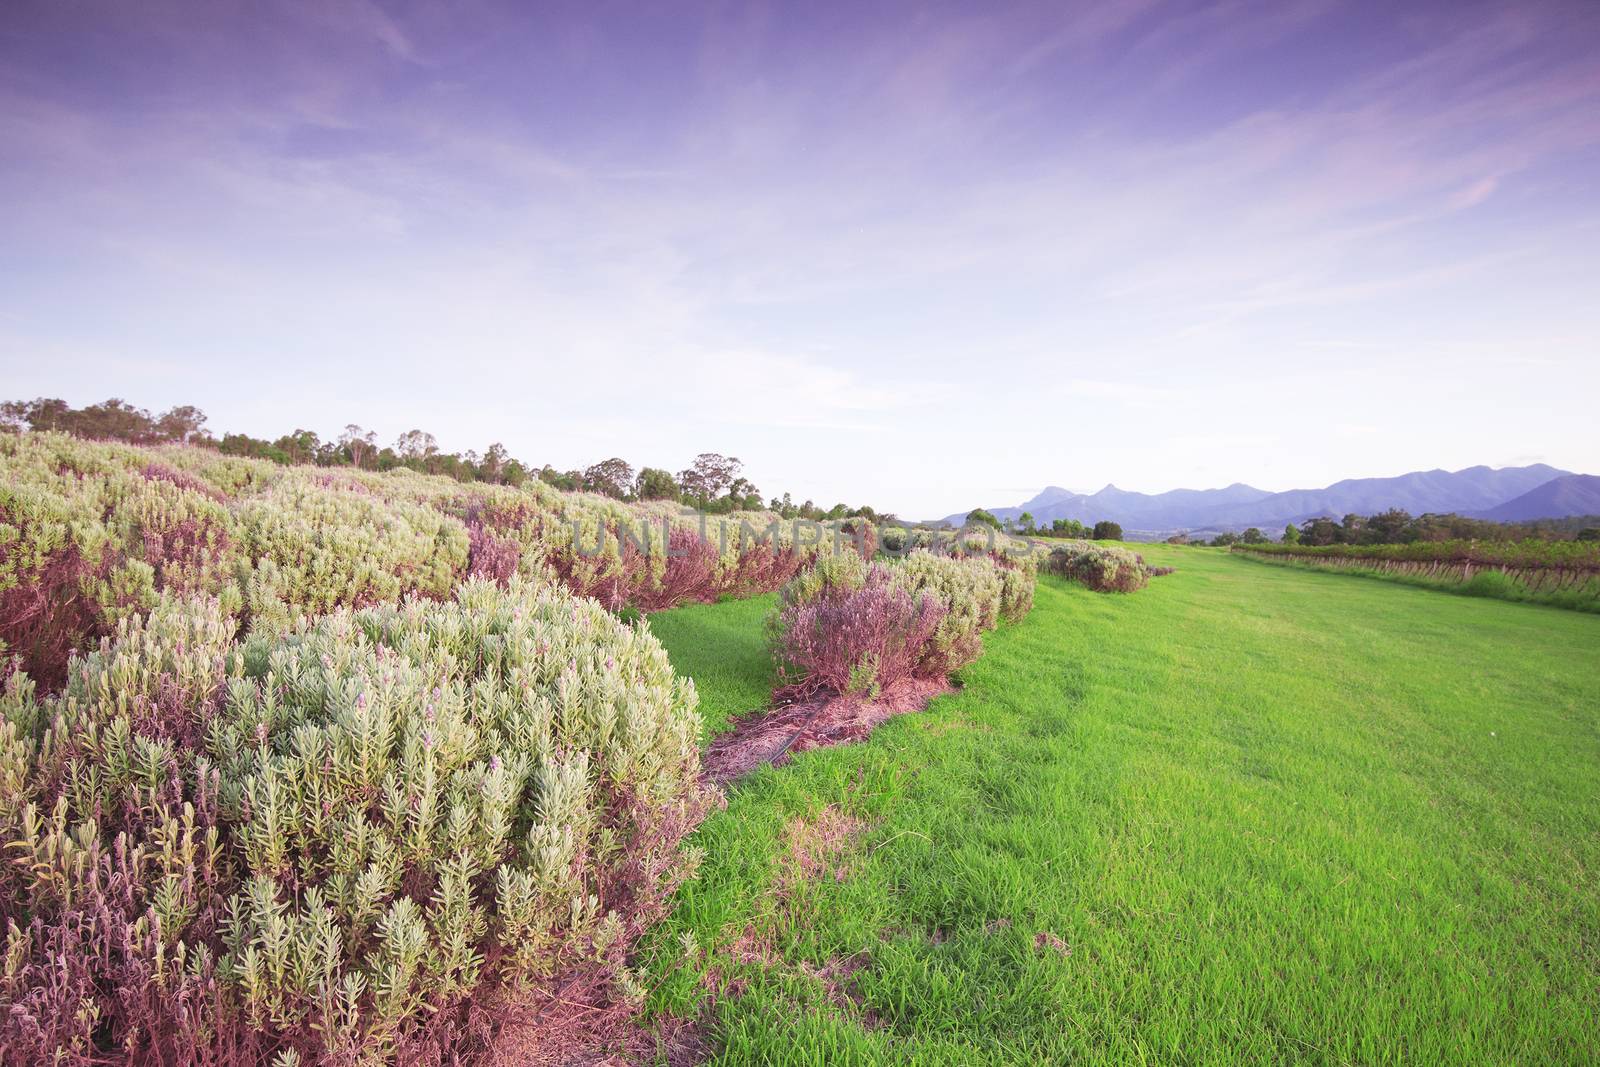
[
  {"x": 1249, "y": 812},
  {"x": 723, "y": 648}
]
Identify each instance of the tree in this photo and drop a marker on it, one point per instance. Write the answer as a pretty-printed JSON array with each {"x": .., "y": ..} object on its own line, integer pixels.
[
  {"x": 710, "y": 474},
  {"x": 239, "y": 444},
  {"x": 744, "y": 494},
  {"x": 613, "y": 477},
  {"x": 1589, "y": 533},
  {"x": 359, "y": 443},
  {"x": 1388, "y": 528},
  {"x": 416, "y": 444},
  {"x": 654, "y": 483},
  {"x": 1224, "y": 539},
  {"x": 979, "y": 515},
  {"x": 1254, "y": 536},
  {"x": 113, "y": 419},
  {"x": 1068, "y": 528},
  {"x": 301, "y": 446},
  {"x": 182, "y": 424},
  {"x": 41, "y": 415},
  {"x": 1025, "y": 520},
  {"x": 495, "y": 458},
  {"x": 1350, "y": 529},
  {"x": 1320, "y": 531},
  {"x": 1291, "y": 536},
  {"x": 1106, "y": 530}
]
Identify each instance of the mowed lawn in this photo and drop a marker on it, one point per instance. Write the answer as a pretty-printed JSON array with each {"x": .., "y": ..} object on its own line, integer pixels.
[{"x": 1247, "y": 813}]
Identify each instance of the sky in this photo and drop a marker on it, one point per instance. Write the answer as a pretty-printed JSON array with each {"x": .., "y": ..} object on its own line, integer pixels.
[{"x": 920, "y": 256}]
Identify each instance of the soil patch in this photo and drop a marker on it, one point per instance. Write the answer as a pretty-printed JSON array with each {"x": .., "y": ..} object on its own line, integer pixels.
[
  {"x": 816, "y": 847},
  {"x": 582, "y": 1025},
  {"x": 772, "y": 736}
]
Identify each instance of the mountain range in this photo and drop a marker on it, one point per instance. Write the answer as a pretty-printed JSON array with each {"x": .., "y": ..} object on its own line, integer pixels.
[{"x": 1507, "y": 494}]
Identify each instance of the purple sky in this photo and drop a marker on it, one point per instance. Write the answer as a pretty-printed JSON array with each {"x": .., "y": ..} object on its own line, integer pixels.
[{"x": 919, "y": 256}]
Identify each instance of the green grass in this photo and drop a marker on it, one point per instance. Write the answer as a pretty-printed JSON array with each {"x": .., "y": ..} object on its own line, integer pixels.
[
  {"x": 723, "y": 648},
  {"x": 1273, "y": 814}
]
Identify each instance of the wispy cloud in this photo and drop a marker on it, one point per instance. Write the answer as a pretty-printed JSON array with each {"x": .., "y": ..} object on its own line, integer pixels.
[{"x": 796, "y": 232}]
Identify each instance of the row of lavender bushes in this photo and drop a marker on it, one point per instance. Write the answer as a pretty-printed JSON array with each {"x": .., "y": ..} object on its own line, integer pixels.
[
  {"x": 346, "y": 844},
  {"x": 95, "y": 533},
  {"x": 1101, "y": 567},
  {"x": 851, "y": 628}
]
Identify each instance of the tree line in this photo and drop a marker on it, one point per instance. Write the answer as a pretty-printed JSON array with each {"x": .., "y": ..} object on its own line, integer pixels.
[
  {"x": 1025, "y": 524},
  {"x": 1399, "y": 527},
  {"x": 713, "y": 482}
]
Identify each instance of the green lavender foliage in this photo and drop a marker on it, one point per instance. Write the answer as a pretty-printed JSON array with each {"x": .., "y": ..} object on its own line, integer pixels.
[
  {"x": 1018, "y": 576},
  {"x": 307, "y": 548},
  {"x": 844, "y": 571},
  {"x": 429, "y": 787},
  {"x": 93, "y": 532},
  {"x": 970, "y": 589},
  {"x": 1103, "y": 568},
  {"x": 399, "y": 808}
]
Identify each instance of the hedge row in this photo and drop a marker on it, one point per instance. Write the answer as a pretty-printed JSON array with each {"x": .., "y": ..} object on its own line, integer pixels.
[
  {"x": 95, "y": 533},
  {"x": 1521, "y": 555},
  {"x": 332, "y": 846},
  {"x": 1572, "y": 584}
]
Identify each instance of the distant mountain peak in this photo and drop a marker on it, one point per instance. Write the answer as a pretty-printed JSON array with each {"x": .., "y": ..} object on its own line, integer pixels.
[
  {"x": 1569, "y": 494},
  {"x": 1471, "y": 491}
]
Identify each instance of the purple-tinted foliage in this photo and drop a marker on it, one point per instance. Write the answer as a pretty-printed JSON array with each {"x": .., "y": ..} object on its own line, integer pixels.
[
  {"x": 160, "y": 472},
  {"x": 855, "y": 641},
  {"x": 45, "y": 617},
  {"x": 491, "y": 556},
  {"x": 94, "y": 969},
  {"x": 689, "y": 574}
]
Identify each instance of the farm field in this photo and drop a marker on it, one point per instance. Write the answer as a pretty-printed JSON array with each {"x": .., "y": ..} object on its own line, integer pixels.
[{"x": 1247, "y": 813}]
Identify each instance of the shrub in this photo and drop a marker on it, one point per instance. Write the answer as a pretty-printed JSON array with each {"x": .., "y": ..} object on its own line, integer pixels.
[
  {"x": 759, "y": 558},
  {"x": 180, "y": 532},
  {"x": 44, "y": 611},
  {"x": 331, "y": 845},
  {"x": 843, "y": 571},
  {"x": 112, "y": 815},
  {"x": 491, "y": 556},
  {"x": 853, "y": 637},
  {"x": 863, "y": 537},
  {"x": 92, "y": 532},
  {"x": 1531, "y": 554},
  {"x": 688, "y": 572},
  {"x": 1018, "y": 576},
  {"x": 969, "y": 589},
  {"x": 1105, "y": 530},
  {"x": 310, "y": 548},
  {"x": 849, "y": 627},
  {"x": 1103, "y": 568}
]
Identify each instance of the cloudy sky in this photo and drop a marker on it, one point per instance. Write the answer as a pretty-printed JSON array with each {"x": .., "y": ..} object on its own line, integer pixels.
[{"x": 916, "y": 255}]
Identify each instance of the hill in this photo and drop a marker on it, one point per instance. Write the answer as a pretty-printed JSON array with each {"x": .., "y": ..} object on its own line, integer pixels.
[
  {"x": 1473, "y": 490},
  {"x": 1571, "y": 494}
]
